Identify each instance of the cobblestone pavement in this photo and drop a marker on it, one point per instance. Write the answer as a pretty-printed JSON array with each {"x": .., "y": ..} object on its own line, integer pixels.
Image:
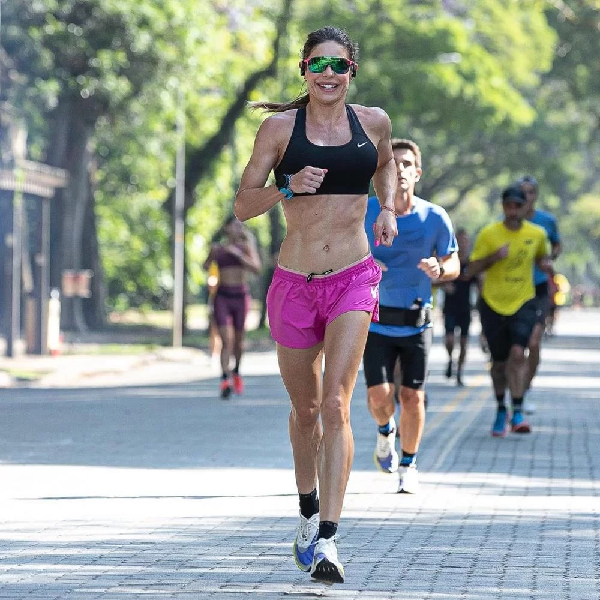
[{"x": 166, "y": 491}]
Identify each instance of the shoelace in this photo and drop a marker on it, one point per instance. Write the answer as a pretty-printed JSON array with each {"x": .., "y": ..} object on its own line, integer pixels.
[
  {"x": 304, "y": 530},
  {"x": 383, "y": 444},
  {"x": 330, "y": 548}
]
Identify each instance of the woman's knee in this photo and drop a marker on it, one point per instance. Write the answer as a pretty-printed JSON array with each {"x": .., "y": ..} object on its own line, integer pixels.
[
  {"x": 306, "y": 413},
  {"x": 335, "y": 411}
]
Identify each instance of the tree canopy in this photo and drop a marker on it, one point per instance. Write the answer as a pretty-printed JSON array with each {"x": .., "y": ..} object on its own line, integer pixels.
[{"x": 489, "y": 89}]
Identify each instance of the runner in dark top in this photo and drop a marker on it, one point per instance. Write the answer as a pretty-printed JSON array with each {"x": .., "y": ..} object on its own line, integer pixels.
[
  {"x": 235, "y": 256},
  {"x": 457, "y": 308}
]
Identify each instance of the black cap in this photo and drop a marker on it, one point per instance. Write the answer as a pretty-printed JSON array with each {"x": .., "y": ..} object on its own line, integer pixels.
[{"x": 514, "y": 194}]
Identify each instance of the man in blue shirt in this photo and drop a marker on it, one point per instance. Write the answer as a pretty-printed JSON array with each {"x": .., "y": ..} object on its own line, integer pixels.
[
  {"x": 425, "y": 249},
  {"x": 529, "y": 186}
]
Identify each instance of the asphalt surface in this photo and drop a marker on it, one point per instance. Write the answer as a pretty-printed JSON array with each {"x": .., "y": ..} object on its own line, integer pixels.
[{"x": 143, "y": 483}]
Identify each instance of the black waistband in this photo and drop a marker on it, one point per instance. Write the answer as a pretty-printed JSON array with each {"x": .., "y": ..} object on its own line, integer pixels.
[
  {"x": 404, "y": 317},
  {"x": 232, "y": 293}
]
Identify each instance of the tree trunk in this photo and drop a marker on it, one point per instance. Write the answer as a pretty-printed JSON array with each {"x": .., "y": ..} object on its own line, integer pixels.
[
  {"x": 69, "y": 150},
  {"x": 199, "y": 161},
  {"x": 94, "y": 307}
]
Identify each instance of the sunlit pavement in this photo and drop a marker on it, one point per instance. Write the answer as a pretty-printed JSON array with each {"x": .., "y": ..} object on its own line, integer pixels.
[{"x": 166, "y": 491}]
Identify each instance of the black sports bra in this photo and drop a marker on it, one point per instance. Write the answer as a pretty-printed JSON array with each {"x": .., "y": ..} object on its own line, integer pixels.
[{"x": 349, "y": 166}]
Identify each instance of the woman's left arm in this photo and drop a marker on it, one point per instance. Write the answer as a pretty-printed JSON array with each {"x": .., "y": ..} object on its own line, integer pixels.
[{"x": 385, "y": 179}]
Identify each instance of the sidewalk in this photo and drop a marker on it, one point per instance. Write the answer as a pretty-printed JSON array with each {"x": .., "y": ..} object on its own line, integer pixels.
[
  {"x": 162, "y": 365},
  {"x": 180, "y": 365},
  {"x": 157, "y": 491}
]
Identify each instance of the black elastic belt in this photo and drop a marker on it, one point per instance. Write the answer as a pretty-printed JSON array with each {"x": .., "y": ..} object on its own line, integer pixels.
[{"x": 404, "y": 317}]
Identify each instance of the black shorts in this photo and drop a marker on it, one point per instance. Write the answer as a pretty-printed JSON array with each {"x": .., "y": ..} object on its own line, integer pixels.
[
  {"x": 462, "y": 320},
  {"x": 382, "y": 351},
  {"x": 504, "y": 331},
  {"x": 542, "y": 299}
]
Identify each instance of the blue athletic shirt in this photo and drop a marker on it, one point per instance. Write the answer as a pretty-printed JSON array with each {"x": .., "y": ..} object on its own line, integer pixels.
[
  {"x": 426, "y": 230},
  {"x": 548, "y": 222}
]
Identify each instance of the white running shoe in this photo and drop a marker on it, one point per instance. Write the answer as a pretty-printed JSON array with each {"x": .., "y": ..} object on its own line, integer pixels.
[
  {"x": 529, "y": 407},
  {"x": 304, "y": 544},
  {"x": 409, "y": 479},
  {"x": 385, "y": 455},
  {"x": 326, "y": 567}
]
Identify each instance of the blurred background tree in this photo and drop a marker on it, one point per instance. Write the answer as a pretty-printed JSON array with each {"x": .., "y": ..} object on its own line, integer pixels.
[{"x": 490, "y": 89}]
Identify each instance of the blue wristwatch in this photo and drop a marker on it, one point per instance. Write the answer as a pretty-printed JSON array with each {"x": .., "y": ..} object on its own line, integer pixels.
[{"x": 283, "y": 185}]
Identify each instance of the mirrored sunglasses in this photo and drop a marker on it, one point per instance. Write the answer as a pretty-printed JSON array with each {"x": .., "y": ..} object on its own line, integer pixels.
[{"x": 338, "y": 64}]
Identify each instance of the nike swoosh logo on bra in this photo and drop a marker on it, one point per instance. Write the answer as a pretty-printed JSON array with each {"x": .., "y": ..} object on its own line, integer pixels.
[{"x": 361, "y": 145}]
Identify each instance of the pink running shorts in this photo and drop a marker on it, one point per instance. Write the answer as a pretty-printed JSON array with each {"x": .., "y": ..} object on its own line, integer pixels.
[{"x": 301, "y": 306}]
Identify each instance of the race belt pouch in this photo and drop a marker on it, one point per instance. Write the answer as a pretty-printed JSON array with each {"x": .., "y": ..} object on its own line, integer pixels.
[{"x": 404, "y": 317}]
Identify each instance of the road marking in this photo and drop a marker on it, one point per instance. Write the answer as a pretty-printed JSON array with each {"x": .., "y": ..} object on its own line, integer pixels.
[
  {"x": 475, "y": 408},
  {"x": 448, "y": 408}
]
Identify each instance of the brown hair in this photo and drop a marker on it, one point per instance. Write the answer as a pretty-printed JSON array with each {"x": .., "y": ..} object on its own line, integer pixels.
[
  {"x": 399, "y": 143},
  {"x": 325, "y": 34}
]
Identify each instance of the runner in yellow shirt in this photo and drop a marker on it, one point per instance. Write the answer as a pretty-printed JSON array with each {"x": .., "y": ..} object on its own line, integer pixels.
[{"x": 508, "y": 251}]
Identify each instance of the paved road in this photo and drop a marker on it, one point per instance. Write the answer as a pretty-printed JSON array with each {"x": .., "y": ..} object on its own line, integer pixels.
[{"x": 165, "y": 491}]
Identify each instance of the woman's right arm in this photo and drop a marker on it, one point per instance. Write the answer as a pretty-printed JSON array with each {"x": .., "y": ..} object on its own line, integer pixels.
[
  {"x": 253, "y": 198},
  {"x": 210, "y": 258}
]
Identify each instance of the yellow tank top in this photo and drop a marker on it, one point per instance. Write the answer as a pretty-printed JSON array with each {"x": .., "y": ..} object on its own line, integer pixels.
[{"x": 508, "y": 283}]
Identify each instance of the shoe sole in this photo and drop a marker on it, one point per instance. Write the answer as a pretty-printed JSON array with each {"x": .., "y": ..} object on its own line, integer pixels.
[
  {"x": 225, "y": 393},
  {"x": 328, "y": 573},
  {"x": 495, "y": 434},
  {"x": 403, "y": 491},
  {"x": 521, "y": 429}
]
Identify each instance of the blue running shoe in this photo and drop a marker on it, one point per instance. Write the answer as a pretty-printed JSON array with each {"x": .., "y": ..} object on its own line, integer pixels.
[
  {"x": 326, "y": 567},
  {"x": 385, "y": 455},
  {"x": 499, "y": 428},
  {"x": 304, "y": 544},
  {"x": 518, "y": 423}
]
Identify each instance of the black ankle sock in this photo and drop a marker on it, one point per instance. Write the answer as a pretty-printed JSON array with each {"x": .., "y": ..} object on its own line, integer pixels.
[
  {"x": 517, "y": 404},
  {"x": 408, "y": 458},
  {"x": 500, "y": 401},
  {"x": 327, "y": 529},
  {"x": 309, "y": 504},
  {"x": 236, "y": 369},
  {"x": 224, "y": 376}
]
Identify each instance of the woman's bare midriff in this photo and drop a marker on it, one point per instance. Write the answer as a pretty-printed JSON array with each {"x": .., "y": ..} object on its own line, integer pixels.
[
  {"x": 232, "y": 276},
  {"x": 324, "y": 232}
]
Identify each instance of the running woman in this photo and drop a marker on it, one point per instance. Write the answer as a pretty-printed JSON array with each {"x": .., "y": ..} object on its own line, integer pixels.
[
  {"x": 324, "y": 293},
  {"x": 235, "y": 257}
]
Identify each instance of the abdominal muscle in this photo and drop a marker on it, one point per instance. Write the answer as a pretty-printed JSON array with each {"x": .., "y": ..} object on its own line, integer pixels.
[
  {"x": 232, "y": 276},
  {"x": 324, "y": 232}
]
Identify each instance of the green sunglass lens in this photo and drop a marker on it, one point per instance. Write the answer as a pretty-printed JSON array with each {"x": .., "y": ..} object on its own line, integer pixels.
[{"x": 318, "y": 64}]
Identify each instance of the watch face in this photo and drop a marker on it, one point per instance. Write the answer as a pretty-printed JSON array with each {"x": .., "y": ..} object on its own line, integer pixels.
[{"x": 280, "y": 181}]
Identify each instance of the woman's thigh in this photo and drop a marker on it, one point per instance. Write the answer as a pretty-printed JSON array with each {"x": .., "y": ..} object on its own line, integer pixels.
[
  {"x": 345, "y": 339},
  {"x": 301, "y": 373}
]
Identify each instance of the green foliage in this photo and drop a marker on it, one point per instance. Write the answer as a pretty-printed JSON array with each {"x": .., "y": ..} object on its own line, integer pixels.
[{"x": 490, "y": 89}]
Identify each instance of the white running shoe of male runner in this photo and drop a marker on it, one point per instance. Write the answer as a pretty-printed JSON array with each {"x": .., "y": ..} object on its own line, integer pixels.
[
  {"x": 409, "y": 479},
  {"x": 385, "y": 455}
]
